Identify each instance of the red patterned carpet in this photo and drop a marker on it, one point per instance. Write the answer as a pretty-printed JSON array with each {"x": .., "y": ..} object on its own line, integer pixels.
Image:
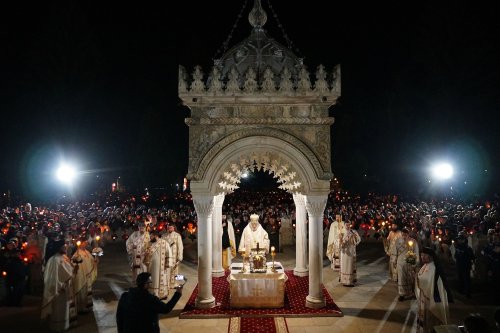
[{"x": 296, "y": 290}]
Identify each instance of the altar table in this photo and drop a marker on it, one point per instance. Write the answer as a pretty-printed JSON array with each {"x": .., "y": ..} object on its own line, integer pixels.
[{"x": 257, "y": 290}]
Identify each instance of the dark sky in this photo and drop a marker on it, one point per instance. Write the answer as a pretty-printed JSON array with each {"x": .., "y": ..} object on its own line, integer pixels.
[{"x": 96, "y": 82}]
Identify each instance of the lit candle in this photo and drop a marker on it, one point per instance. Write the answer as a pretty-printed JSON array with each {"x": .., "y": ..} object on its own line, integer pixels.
[
  {"x": 410, "y": 243},
  {"x": 78, "y": 243},
  {"x": 272, "y": 249}
]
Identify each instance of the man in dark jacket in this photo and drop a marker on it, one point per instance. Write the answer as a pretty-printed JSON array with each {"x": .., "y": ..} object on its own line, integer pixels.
[
  {"x": 138, "y": 309},
  {"x": 464, "y": 256}
]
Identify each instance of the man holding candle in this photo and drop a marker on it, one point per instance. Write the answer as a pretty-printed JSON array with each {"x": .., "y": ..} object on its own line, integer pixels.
[
  {"x": 85, "y": 277},
  {"x": 407, "y": 253}
]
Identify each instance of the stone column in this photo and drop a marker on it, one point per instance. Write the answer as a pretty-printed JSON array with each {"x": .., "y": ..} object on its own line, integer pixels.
[
  {"x": 204, "y": 208},
  {"x": 217, "y": 270},
  {"x": 315, "y": 205},
  {"x": 300, "y": 236}
]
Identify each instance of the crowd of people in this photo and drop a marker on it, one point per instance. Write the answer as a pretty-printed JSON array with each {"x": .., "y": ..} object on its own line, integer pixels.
[{"x": 37, "y": 241}]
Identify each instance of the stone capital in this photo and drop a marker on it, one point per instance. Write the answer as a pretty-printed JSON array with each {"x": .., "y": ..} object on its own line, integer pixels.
[
  {"x": 204, "y": 205},
  {"x": 315, "y": 205}
]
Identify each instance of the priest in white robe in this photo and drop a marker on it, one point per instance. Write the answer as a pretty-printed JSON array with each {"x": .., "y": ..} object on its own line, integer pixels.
[
  {"x": 85, "y": 277},
  {"x": 394, "y": 234},
  {"x": 252, "y": 235},
  {"x": 177, "y": 248},
  {"x": 136, "y": 248},
  {"x": 433, "y": 293},
  {"x": 336, "y": 232},
  {"x": 157, "y": 261},
  {"x": 348, "y": 243},
  {"x": 405, "y": 247},
  {"x": 58, "y": 303}
]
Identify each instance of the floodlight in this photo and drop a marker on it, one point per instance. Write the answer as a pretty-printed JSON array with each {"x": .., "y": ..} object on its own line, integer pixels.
[
  {"x": 66, "y": 174},
  {"x": 442, "y": 171}
]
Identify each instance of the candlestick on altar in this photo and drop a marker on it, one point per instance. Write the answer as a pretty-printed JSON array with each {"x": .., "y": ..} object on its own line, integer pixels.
[
  {"x": 273, "y": 269},
  {"x": 242, "y": 252}
]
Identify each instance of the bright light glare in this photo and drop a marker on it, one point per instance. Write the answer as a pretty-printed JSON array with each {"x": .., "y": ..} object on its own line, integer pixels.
[
  {"x": 442, "y": 171},
  {"x": 244, "y": 174},
  {"x": 66, "y": 174}
]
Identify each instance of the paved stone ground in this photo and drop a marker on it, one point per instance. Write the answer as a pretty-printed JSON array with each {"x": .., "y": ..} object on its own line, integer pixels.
[{"x": 369, "y": 307}]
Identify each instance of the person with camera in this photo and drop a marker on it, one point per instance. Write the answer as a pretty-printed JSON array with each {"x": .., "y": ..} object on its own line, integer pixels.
[{"x": 138, "y": 308}]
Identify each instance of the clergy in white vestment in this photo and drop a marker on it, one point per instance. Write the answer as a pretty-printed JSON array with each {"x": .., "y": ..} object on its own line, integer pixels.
[
  {"x": 433, "y": 293},
  {"x": 136, "y": 248},
  {"x": 405, "y": 247},
  {"x": 252, "y": 235},
  {"x": 177, "y": 248},
  {"x": 58, "y": 303},
  {"x": 85, "y": 277},
  {"x": 394, "y": 234},
  {"x": 348, "y": 243},
  {"x": 157, "y": 261},
  {"x": 337, "y": 231},
  {"x": 228, "y": 242}
]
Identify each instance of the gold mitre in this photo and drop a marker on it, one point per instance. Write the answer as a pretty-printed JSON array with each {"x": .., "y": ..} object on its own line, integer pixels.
[{"x": 254, "y": 218}]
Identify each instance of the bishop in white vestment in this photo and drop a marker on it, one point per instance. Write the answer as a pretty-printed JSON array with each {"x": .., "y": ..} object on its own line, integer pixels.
[{"x": 252, "y": 235}]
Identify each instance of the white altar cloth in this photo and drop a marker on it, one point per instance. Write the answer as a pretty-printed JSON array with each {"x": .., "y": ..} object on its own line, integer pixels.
[{"x": 257, "y": 290}]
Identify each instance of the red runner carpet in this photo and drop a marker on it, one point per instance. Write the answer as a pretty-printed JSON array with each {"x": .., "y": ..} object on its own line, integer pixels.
[
  {"x": 257, "y": 325},
  {"x": 296, "y": 290}
]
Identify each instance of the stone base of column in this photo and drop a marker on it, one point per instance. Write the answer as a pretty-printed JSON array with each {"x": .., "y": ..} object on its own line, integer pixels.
[
  {"x": 315, "y": 303},
  {"x": 218, "y": 273},
  {"x": 300, "y": 271},
  {"x": 201, "y": 303}
]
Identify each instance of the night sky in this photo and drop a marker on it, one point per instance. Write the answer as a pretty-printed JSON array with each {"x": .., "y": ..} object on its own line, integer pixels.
[{"x": 96, "y": 82}]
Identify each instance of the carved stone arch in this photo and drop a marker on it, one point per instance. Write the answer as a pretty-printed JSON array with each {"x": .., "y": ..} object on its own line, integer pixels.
[
  {"x": 224, "y": 161},
  {"x": 289, "y": 143}
]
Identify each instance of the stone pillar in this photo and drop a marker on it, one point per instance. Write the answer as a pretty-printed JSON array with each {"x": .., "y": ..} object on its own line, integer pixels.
[
  {"x": 217, "y": 270},
  {"x": 300, "y": 236},
  {"x": 315, "y": 205},
  {"x": 204, "y": 208}
]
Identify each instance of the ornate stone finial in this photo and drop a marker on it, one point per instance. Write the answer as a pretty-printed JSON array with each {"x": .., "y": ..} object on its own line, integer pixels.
[
  {"x": 182, "y": 79},
  {"x": 197, "y": 86},
  {"x": 216, "y": 84},
  {"x": 321, "y": 85},
  {"x": 250, "y": 85},
  {"x": 233, "y": 85},
  {"x": 257, "y": 16}
]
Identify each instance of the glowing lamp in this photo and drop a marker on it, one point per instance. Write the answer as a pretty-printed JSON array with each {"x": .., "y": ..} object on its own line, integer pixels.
[{"x": 442, "y": 171}]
